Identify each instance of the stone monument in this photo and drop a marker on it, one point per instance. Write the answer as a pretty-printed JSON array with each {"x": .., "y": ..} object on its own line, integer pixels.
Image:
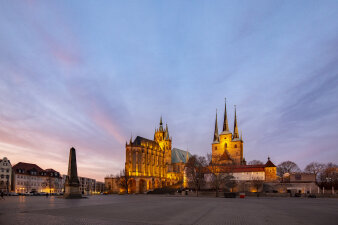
[{"x": 72, "y": 184}]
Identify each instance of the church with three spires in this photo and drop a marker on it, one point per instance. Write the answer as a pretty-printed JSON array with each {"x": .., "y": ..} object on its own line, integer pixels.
[
  {"x": 152, "y": 164},
  {"x": 227, "y": 147},
  {"x": 227, "y": 152}
]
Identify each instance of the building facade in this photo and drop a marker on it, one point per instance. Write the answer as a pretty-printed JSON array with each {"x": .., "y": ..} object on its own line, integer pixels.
[
  {"x": 88, "y": 186},
  {"x": 227, "y": 147},
  {"x": 153, "y": 163},
  {"x": 5, "y": 175},
  {"x": 29, "y": 177}
]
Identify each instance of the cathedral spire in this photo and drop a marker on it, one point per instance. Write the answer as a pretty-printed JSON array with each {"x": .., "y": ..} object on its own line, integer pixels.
[
  {"x": 166, "y": 132},
  {"x": 225, "y": 123},
  {"x": 161, "y": 127},
  {"x": 235, "y": 126},
  {"x": 216, "y": 137}
]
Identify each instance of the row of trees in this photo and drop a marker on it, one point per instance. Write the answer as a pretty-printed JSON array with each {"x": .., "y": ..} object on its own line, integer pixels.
[
  {"x": 218, "y": 178},
  {"x": 326, "y": 174}
]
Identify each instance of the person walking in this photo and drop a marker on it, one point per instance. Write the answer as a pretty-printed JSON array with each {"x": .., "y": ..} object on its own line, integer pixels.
[{"x": 2, "y": 195}]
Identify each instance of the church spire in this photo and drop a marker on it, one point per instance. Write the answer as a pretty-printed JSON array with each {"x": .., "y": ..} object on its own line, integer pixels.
[
  {"x": 235, "y": 126},
  {"x": 225, "y": 123},
  {"x": 166, "y": 132},
  {"x": 161, "y": 127},
  {"x": 216, "y": 137}
]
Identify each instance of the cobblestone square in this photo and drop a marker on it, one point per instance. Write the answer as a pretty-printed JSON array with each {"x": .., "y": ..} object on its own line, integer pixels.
[{"x": 145, "y": 209}]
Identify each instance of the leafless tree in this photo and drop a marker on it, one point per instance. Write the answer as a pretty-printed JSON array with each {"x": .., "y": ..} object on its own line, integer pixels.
[
  {"x": 123, "y": 180},
  {"x": 255, "y": 162},
  {"x": 287, "y": 167},
  {"x": 217, "y": 177},
  {"x": 328, "y": 178},
  {"x": 230, "y": 182},
  {"x": 195, "y": 170},
  {"x": 257, "y": 184},
  {"x": 315, "y": 168}
]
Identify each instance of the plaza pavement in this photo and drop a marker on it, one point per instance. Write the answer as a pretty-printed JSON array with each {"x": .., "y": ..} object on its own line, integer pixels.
[{"x": 151, "y": 209}]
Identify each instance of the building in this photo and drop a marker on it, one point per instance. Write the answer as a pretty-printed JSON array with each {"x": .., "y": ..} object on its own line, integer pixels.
[
  {"x": 299, "y": 178},
  {"x": 153, "y": 163},
  {"x": 5, "y": 175},
  {"x": 227, "y": 157},
  {"x": 227, "y": 147},
  {"x": 227, "y": 151},
  {"x": 87, "y": 185},
  {"x": 99, "y": 187},
  {"x": 29, "y": 177}
]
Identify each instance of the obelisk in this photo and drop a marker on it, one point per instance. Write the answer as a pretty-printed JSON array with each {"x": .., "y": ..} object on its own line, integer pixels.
[{"x": 72, "y": 184}]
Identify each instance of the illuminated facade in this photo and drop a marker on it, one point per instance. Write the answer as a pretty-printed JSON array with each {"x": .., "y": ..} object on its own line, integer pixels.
[
  {"x": 227, "y": 152},
  {"x": 227, "y": 147},
  {"x": 5, "y": 175},
  {"x": 153, "y": 163},
  {"x": 29, "y": 177}
]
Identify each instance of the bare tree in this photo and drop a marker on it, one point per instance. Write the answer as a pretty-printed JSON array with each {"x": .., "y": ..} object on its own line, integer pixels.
[
  {"x": 257, "y": 184},
  {"x": 287, "y": 167},
  {"x": 328, "y": 178},
  {"x": 217, "y": 176},
  {"x": 255, "y": 162},
  {"x": 315, "y": 168},
  {"x": 230, "y": 182},
  {"x": 123, "y": 180},
  {"x": 195, "y": 170}
]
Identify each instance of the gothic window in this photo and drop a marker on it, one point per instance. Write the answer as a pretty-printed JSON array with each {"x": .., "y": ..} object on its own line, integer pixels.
[
  {"x": 235, "y": 146},
  {"x": 215, "y": 148},
  {"x": 225, "y": 145}
]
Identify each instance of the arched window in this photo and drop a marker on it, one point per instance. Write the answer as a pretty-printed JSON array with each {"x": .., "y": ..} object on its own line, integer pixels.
[
  {"x": 225, "y": 145},
  {"x": 235, "y": 146}
]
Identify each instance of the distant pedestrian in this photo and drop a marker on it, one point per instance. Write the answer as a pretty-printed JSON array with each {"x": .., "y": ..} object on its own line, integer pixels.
[
  {"x": 46, "y": 195},
  {"x": 2, "y": 195}
]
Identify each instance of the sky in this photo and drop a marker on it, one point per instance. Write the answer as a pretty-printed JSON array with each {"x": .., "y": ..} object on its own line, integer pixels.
[{"x": 91, "y": 74}]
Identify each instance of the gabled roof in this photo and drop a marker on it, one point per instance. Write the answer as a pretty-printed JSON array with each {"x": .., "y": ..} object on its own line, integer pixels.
[
  {"x": 225, "y": 156},
  {"x": 27, "y": 167},
  {"x": 178, "y": 155},
  {"x": 269, "y": 163},
  {"x": 138, "y": 140}
]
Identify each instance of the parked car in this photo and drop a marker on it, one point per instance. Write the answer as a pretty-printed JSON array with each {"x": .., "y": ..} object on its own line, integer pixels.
[
  {"x": 42, "y": 193},
  {"x": 13, "y": 194}
]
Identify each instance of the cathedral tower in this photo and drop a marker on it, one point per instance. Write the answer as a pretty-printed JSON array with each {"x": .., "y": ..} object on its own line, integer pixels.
[
  {"x": 227, "y": 148},
  {"x": 162, "y": 137}
]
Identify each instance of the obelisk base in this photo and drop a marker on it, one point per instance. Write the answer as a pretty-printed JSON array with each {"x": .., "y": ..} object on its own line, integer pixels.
[{"x": 72, "y": 192}]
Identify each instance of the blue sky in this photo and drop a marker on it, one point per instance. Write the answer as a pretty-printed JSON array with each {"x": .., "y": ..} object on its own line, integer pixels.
[{"x": 89, "y": 73}]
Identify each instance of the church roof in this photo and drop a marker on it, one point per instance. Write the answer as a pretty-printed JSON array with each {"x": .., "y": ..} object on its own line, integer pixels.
[
  {"x": 178, "y": 155},
  {"x": 138, "y": 140},
  {"x": 225, "y": 156},
  {"x": 269, "y": 163}
]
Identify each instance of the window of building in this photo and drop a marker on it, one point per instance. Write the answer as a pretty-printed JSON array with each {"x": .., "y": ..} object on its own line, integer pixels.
[{"x": 215, "y": 148}]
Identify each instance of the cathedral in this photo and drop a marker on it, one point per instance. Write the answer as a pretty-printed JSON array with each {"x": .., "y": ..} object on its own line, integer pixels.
[{"x": 153, "y": 163}]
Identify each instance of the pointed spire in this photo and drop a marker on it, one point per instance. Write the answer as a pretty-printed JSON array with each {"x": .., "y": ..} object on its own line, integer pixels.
[
  {"x": 161, "y": 124},
  {"x": 235, "y": 126},
  {"x": 225, "y": 123},
  {"x": 131, "y": 138},
  {"x": 216, "y": 137},
  {"x": 166, "y": 132},
  {"x": 187, "y": 157},
  {"x": 241, "y": 136}
]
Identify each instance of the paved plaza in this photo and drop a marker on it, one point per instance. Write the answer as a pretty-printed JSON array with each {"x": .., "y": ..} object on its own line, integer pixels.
[{"x": 145, "y": 209}]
